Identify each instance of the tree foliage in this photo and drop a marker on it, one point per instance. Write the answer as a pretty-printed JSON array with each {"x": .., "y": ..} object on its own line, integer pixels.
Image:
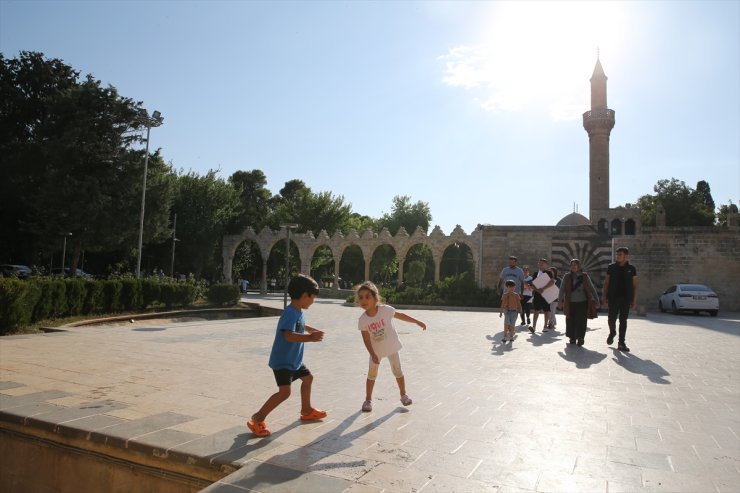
[
  {"x": 205, "y": 206},
  {"x": 683, "y": 205},
  {"x": 67, "y": 152},
  {"x": 404, "y": 213}
]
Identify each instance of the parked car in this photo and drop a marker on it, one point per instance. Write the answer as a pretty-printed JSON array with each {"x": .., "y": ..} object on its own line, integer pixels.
[
  {"x": 19, "y": 271},
  {"x": 689, "y": 297},
  {"x": 78, "y": 273}
]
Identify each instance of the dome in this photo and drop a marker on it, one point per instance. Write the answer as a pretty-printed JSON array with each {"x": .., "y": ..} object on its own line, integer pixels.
[{"x": 574, "y": 219}]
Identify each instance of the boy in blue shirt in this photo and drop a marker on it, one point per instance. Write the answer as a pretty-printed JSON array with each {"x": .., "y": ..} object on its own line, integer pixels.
[{"x": 286, "y": 358}]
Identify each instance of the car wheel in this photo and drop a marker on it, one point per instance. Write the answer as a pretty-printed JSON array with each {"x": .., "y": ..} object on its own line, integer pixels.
[
  {"x": 674, "y": 308},
  {"x": 660, "y": 306},
  {"x": 713, "y": 313}
]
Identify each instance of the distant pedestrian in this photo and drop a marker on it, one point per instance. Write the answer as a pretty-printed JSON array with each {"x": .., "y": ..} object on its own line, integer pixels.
[
  {"x": 554, "y": 303},
  {"x": 273, "y": 285},
  {"x": 511, "y": 272},
  {"x": 381, "y": 339},
  {"x": 511, "y": 306},
  {"x": 576, "y": 291},
  {"x": 526, "y": 296},
  {"x": 620, "y": 292},
  {"x": 286, "y": 358},
  {"x": 540, "y": 305}
]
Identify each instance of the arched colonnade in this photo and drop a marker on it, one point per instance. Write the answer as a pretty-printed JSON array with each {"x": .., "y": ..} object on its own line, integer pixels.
[{"x": 307, "y": 245}]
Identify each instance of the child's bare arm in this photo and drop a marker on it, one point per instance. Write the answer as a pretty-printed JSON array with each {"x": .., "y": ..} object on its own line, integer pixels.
[
  {"x": 406, "y": 318},
  {"x": 369, "y": 347},
  {"x": 314, "y": 336}
]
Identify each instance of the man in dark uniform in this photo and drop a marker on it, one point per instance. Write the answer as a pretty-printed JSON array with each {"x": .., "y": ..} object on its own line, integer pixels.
[{"x": 620, "y": 292}]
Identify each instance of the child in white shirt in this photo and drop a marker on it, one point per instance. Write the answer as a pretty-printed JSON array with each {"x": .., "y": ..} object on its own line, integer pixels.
[{"x": 381, "y": 339}]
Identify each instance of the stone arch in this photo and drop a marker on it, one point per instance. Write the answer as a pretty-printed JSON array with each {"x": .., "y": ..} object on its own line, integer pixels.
[
  {"x": 603, "y": 226},
  {"x": 616, "y": 227},
  {"x": 629, "y": 227},
  {"x": 368, "y": 241}
]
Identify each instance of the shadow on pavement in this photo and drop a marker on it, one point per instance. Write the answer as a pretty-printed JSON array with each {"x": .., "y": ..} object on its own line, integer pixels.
[
  {"x": 632, "y": 363},
  {"x": 283, "y": 468},
  {"x": 582, "y": 357}
]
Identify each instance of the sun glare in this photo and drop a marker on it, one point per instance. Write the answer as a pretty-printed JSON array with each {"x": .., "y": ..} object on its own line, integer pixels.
[{"x": 536, "y": 53}]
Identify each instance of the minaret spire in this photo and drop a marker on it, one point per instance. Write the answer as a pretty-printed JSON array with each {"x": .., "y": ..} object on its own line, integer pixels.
[{"x": 598, "y": 123}]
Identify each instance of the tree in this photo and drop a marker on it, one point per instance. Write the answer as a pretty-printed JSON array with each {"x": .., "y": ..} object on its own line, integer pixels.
[
  {"x": 205, "y": 207},
  {"x": 297, "y": 204},
  {"x": 254, "y": 196},
  {"x": 683, "y": 205},
  {"x": 67, "y": 148},
  {"x": 404, "y": 213},
  {"x": 724, "y": 210}
]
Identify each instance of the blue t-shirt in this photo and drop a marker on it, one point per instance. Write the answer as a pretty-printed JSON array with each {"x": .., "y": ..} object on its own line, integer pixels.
[{"x": 287, "y": 355}]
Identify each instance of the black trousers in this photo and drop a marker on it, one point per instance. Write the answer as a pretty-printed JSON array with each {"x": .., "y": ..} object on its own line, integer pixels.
[
  {"x": 526, "y": 307},
  {"x": 619, "y": 308},
  {"x": 575, "y": 323}
]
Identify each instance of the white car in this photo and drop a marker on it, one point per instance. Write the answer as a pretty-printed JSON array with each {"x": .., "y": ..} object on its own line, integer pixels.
[{"x": 689, "y": 297}]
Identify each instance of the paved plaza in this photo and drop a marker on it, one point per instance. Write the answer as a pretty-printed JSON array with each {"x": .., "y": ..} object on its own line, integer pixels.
[{"x": 535, "y": 415}]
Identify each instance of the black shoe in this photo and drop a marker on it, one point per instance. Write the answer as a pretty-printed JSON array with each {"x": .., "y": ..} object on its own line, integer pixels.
[
  {"x": 572, "y": 341},
  {"x": 531, "y": 329},
  {"x": 580, "y": 342},
  {"x": 623, "y": 347},
  {"x": 529, "y": 321},
  {"x": 610, "y": 339}
]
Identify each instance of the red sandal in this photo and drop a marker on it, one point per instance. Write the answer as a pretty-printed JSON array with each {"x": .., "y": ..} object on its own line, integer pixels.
[
  {"x": 259, "y": 428},
  {"x": 313, "y": 415}
]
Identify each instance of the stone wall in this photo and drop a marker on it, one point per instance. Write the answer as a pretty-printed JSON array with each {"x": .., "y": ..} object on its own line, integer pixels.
[
  {"x": 674, "y": 255},
  {"x": 662, "y": 257}
]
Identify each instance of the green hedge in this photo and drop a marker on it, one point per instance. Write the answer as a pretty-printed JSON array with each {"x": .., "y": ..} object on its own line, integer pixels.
[
  {"x": 458, "y": 290},
  {"x": 224, "y": 294},
  {"x": 23, "y": 302}
]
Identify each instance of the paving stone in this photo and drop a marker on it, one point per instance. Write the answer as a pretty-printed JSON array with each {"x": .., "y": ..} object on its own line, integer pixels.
[{"x": 535, "y": 416}]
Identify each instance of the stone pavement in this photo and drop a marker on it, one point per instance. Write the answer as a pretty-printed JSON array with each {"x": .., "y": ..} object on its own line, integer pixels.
[{"x": 535, "y": 415}]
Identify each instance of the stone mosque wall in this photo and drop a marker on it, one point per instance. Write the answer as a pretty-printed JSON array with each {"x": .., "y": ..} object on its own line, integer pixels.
[{"x": 662, "y": 257}]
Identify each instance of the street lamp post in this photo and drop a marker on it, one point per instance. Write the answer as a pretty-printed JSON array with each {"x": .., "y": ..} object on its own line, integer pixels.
[
  {"x": 174, "y": 239},
  {"x": 288, "y": 227},
  {"x": 64, "y": 252},
  {"x": 155, "y": 121}
]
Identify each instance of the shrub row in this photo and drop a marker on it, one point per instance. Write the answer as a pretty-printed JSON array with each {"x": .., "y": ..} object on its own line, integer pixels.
[
  {"x": 25, "y": 302},
  {"x": 458, "y": 290}
]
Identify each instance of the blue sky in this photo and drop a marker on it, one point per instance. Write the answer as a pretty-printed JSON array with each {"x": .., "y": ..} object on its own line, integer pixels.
[{"x": 473, "y": 107}]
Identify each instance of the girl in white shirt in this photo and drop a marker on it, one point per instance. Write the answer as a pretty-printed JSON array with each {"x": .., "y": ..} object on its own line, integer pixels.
[{"x": 381, "y": 339}]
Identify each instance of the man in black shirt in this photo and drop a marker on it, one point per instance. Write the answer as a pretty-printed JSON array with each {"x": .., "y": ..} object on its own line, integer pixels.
[{"x": 620, "y": 292}]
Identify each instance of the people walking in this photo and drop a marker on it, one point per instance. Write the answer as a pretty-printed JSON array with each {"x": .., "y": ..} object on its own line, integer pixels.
[
  {"x": 576, "y": 292},
  {"x": 526, "y": 296},
  {"x": 540, "y": 305},
  {"x": 510, "y": 308},
  {"x": 620, "y": 292}
]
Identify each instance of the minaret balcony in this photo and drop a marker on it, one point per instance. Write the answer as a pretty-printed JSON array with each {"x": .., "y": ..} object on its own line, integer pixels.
[{"x": 602, "y": 118}]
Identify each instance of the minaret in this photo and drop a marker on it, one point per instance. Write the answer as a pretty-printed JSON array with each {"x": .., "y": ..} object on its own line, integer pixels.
[{"x": 598, "y": 123}]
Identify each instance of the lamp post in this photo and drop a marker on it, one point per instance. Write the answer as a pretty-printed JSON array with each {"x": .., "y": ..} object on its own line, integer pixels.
[
  {"x": 174, "y": 239},
  {"x": 154, "y": 121},
  {"x": 64, "y": 252},
  {"x": 288, "y": 227}
]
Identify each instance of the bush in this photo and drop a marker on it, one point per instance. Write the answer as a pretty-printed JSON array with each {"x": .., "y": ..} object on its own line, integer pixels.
[
  {"x": 75, "y": 290},
  {"x": 52, "y": 301},
  {"x": 150, "y": 292},
  {"x": 131, "y": 297},
  {"x": 17, "y": 300},
  {"x": 93, "y": 297},
  {"x": 186, "y": 294},
  {"x": 112, "y": 295},
  {"x": 224, "y": 294}
]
